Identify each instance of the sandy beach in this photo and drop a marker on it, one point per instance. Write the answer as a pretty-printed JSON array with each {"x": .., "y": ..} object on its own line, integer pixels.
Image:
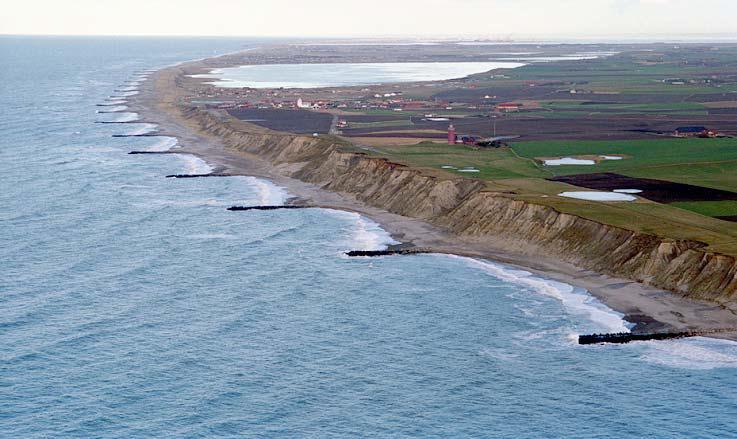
[{"x": 649, "y": 308}]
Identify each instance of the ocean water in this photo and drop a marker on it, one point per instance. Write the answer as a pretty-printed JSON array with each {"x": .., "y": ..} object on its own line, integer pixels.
[
  {"x": 345, "y": 74},
  {"x": 138, "y": 306}
]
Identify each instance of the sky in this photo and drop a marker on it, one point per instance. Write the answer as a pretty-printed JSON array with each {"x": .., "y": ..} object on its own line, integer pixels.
[{"x": 508, "y": 19}]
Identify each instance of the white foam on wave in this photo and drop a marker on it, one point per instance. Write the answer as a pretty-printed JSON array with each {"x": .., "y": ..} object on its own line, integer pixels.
[
  {"x": 143, "y": 128},
  {"x": 126, "y": 117},
  {"x": 126, "y": 93},
  {"x": 195, "y": 165},
  {"x": 576, "y": 301},
  {"x": 115, "y": 109},
  {"x": 269, "y": 194},
  {"x": 700, "y": 353},
  {"x": 365, "y": 234},
  {"x": 116, "y": 102},
  {"x": 165, "y": 143}
]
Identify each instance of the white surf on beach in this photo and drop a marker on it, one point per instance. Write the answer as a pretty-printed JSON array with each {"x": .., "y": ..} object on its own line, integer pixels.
[
  {"x": 115, "y": 109},
  {"x": 576, "y": 301},
  {"x": 164, "y": 143},
  {"x": 269, "y": 194},
  {"x": 142, "y": 128},
  {"x": 364, "y": 234},
  {"x": 126, "y": 117},
  {"x": 697, "y": 353},
  {"x": 124, "y": 94},
  {"x": 194, "y": 164}
]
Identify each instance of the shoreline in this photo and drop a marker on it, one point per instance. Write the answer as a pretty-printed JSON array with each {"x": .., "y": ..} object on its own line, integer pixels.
[{"x": 650, "y": 309}]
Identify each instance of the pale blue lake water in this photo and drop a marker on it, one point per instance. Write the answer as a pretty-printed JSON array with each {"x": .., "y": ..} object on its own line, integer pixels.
[
  {"x": 345, "y": 74},
  {"x": 137, "y": 306}
]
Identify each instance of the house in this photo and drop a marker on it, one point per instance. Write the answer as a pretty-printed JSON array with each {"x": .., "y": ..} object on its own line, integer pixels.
[
  {"x": 691, "y": 131},
  {"x": 508, "y": 107}
]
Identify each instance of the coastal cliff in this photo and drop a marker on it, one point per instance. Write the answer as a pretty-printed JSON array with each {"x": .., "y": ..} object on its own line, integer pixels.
[{"x": 466, "y": 208}]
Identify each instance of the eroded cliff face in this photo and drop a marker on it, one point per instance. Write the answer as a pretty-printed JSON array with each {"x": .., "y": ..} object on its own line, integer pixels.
[{"x": 464, "y": 207}]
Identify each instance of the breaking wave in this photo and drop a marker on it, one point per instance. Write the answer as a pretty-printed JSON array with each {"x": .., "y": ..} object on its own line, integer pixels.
[
  {"x": 365, "y": 234},
  {"x": 269, "y": 194},
  {"x": 143, "y": 128},
  {"x": 195, "y": 165},
  {"x": 576, "y": 301},
  {"x": 165, "y": 143},
  {"x": 700, "y": 353}
]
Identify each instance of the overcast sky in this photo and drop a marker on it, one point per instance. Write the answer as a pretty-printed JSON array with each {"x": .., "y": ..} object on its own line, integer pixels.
[{"x": 372, "y": 18}]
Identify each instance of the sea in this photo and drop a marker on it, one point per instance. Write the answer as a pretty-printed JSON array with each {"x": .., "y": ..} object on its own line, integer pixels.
[{"x": 137, "y": 306}]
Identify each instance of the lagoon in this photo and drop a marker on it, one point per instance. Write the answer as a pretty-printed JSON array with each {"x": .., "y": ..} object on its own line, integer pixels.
[{"x": 345, "y": 74}]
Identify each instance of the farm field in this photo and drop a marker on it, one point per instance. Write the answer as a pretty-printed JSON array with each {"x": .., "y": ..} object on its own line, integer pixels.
[{"x": 639, "y": 154}]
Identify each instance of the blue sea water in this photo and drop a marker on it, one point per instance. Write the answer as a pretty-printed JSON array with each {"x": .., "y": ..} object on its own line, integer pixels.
[{"x": 132, "y": 305}]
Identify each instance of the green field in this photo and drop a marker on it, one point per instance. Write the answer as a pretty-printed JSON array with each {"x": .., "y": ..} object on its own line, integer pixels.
[
  {"x": 492, "y": 164},
  {"x": 641, "y": 154},
  {"x": 710, "y": 208}
]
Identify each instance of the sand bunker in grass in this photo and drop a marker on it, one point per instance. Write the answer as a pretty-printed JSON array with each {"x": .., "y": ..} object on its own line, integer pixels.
[{"x": 598, "y": 196}]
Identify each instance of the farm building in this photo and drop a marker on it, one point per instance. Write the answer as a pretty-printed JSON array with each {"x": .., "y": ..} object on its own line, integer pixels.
[
  {"x": 508, "y": 107},
  {"x": 694, "y": 131}
]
